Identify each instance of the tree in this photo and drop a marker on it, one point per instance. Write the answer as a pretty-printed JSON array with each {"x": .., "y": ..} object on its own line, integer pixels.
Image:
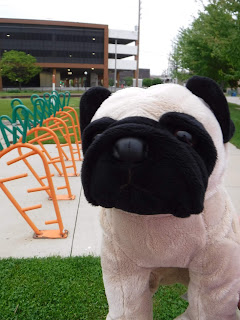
[
  {"x": 211, "y": 45},
  {"x": 19, "y": 67},
  {"x": 176, "y": 69}
]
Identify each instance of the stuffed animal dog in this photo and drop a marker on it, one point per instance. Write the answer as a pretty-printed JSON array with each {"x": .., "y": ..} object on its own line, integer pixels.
[{"x": 155, "y": 160}]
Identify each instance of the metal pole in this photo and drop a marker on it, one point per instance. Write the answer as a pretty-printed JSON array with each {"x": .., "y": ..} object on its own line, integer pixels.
[
  {"x": 115, "y": 69},
  {"x": 53, "y": 82},
  {"x": 138, "y": 41}
]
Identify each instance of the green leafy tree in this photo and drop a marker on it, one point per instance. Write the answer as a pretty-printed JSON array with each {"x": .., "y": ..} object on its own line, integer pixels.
[
  {"x": 19, "y": 67},
  {"x": 211, "y": 45},
  {"x": 176, "y": 68},
  {"x": 147, "y": 82}
]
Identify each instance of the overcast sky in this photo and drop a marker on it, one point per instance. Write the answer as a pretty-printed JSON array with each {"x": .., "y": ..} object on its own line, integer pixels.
[{"x": 160, "y": 20}]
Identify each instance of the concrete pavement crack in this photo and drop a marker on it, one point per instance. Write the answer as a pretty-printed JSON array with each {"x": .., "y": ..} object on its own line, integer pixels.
[{"x": 76, "y": 221}]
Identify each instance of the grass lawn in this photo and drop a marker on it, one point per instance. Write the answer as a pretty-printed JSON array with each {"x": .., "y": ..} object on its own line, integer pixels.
[
  {"x": 235, "y": 116},
  {"x": 16, "y": 92},
  {"x": 5, "y": 105},
  {"x": 29, "y": 92},
  {"x": 5, "y": 109},
  {"x": 67, "y": 289}
]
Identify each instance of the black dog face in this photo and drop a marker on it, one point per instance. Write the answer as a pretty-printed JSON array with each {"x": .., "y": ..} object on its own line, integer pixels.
[
  {"x": 148, "y": 167},
  {"x": 145, "y": 166}
]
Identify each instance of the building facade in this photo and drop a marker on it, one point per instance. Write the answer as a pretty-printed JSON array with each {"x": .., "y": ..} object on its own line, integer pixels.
[{"x": 78, "y": 54}]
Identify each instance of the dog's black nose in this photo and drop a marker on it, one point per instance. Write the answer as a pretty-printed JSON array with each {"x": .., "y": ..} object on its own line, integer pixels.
[{"x": 130, "y": 150}]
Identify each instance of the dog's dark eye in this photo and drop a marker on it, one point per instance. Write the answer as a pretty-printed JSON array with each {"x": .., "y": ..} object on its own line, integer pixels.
[{"x": 185, "y": 136}]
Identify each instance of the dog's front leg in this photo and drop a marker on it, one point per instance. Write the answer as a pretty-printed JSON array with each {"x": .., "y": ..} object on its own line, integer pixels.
[{"x": 126, "y": 285}]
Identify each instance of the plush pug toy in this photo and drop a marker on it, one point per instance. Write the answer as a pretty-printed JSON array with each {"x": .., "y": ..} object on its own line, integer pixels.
[{"x": 155, "y": 161}]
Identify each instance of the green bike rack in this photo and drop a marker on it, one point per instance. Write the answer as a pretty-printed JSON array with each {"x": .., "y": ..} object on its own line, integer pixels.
[
  {"x": 49, "y": 107},
  {"x": 19, "y": 118},
  {"x": 55, "y": 93},
  {"x": 14, "y": 128},
  {"x": 25, "y": 112},
  {"x": 41, "y": 108},
  {"x": 54, "y": 100},
  {"x": 24, "y": 119},
  {"x": 68, "y": 96},
  {"x": 34, "y": 97},
  {"x": 4, "y": 128},
  {"x": 13, "y": 104},
  {"x": 1, "y": 147},
  {"x": 40, "y": 112},
  {"x": 62, "y": 98},
  {"x": 52, "y": 103}
]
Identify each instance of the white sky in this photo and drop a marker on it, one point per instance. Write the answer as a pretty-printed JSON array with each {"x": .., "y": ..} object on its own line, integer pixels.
[{"x": 160, "y": 20}]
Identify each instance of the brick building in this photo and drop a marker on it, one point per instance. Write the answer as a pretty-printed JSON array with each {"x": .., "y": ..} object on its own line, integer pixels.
[{"x": 76, "y": 53}]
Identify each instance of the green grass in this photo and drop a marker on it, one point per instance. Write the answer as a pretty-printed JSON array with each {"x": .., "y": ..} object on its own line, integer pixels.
[
  {"x": 28, "y": 92},
  {"x": 5, "y": 109},
  {"x": 19, "y": 93},
  {"x": 5, "y": 105},
  {"x": 67, "y": 289},
  {"x": 235, "y": 116}
]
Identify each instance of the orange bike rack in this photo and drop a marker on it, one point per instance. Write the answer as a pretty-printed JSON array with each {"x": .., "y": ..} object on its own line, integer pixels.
[
  {"x": 59, "y": 108},
  {"x": 59, "y": 125},
  {"x": 59, "y": 233},
  {"x": 50, "y": 134},
  {"x": 77, "y": 128},
  {"x": 66, "y": 116}
]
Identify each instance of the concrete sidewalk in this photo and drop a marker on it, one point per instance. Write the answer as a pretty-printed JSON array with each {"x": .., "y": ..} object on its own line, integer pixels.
[
  {"x": 79, "y": 217},
  {"x": 235, "y": 100}
]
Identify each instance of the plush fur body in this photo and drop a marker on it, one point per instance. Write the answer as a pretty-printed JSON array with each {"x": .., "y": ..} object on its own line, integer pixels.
[{"x": 191, "y": 233}]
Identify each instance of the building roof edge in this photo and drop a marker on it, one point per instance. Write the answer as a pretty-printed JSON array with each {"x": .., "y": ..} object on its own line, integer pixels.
[{"x": 53, "y": 23}]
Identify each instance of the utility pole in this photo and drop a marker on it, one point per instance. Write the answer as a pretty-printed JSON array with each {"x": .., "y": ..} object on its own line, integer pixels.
[{"x": 138, "y": 41}]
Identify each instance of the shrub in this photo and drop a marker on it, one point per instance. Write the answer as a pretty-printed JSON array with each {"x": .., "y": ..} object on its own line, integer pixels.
[
  {"x": 156, "y": 81},
  {"x": 147, "y": 82},
  {"x": 111, "y": 82},
  {"x": 128, "y": 81}
]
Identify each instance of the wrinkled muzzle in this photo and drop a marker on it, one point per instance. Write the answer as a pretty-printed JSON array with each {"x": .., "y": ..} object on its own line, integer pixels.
[{"x": 142, "y": 167}]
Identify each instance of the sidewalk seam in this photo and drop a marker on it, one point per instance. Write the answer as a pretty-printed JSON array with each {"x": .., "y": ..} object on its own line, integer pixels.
[{"x": 76, "y": 222}]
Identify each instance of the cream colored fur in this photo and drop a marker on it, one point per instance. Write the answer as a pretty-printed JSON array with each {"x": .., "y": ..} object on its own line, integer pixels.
[{"x": 141, "y": 252}]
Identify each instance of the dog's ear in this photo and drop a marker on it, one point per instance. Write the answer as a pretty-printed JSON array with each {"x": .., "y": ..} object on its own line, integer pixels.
[
  {"x": 90, "y": 102},
  {"x": 211, "y": 93}
]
